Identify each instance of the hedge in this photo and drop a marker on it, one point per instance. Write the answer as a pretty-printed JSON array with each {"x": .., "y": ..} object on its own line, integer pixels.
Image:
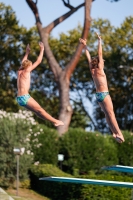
[{"x": 70, "y": 191}]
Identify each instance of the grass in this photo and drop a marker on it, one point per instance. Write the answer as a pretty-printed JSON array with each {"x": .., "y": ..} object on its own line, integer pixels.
[{"x": 25, "y": 194}]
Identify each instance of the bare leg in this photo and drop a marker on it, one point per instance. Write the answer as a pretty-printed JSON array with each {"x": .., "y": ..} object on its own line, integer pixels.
[
  {"x": 33, "y": 106},
  {"x": 107, "y": 107},
  {"x": 108, "y": 121}
]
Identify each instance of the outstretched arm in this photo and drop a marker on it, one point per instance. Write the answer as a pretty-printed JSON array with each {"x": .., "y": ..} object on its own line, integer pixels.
[
  {"x": 82, "y": 41},
  {"x": 27, "y": 53},
  {"x": 39, "y": 59},
  {"x": 100, "y": 54}
]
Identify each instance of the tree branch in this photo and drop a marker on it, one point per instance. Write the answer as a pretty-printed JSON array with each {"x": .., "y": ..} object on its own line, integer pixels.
[
  {"x": 53, "y": 64},
  {"x": 72, "y": 64},
  {"x": 34, "y": 9},
  {"x": 70, "y": 6},
  {"x": 67, "y": 4},
  {"x": 62, "y": 18}
]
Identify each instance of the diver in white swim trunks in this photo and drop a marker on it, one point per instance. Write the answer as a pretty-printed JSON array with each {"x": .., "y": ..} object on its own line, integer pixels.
[
  {"x": 96, "y": 65},
  {"x": 23, "y": 84}
]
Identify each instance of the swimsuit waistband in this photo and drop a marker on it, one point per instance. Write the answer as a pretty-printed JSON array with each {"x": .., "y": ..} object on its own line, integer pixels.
[
  {"x": 102, "y": 92},
  {"x": 23, "y": 95}
]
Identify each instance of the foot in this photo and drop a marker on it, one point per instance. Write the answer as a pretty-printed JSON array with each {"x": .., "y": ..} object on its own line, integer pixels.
[
  {"x": 58, "y": 123},
  {"x": 118, "y": 137}
]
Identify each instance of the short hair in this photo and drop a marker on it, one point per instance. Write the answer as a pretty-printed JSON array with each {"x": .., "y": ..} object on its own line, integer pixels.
[
  {"x": 26, "y": 63},
  {"x": 95, "y": 61}
]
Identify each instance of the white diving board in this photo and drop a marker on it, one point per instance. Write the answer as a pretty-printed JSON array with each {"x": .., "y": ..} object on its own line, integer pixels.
[
  {"x": 88, "y": 181},
  {"x": 119, "y": 168}
]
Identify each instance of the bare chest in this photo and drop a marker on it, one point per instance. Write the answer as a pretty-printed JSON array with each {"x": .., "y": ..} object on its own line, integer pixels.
[
  {"x": 22, "y": 75},
  {"x": 97, "y": 73}
]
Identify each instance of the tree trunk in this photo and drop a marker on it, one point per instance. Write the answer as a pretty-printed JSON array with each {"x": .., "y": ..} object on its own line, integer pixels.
[
  {"x": 62, "y": 77},
  {"x": 66, "y": 110}
]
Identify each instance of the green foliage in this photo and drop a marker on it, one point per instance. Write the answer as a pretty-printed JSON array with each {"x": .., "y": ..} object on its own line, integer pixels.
[
  {"x": 58, "y": 190},
  {"x": 126, "y": 150},
  {"x": 106, "y": 192},
  {"x": 10, "y": 48},
  {"x": 13, "y": 134},
  {"x": 44, "y": 142},
  {"x": 85, "y": 151},
  {"x": 25, "y": 184},
  {"x": 61, "y": 47},
  {"x": 42, "y": 170},
  {"x": 53, "y": 190}
]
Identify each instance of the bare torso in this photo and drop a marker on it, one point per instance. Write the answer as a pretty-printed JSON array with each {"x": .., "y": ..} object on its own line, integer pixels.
[
  {"x": 23, "y": 82},
  {"x": 100, "y": 80}
]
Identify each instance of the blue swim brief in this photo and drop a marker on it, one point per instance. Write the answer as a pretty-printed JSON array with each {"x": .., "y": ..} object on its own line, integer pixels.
[
  {"x": 100, "y": 96},
  {"x": 22, "y": 100}
]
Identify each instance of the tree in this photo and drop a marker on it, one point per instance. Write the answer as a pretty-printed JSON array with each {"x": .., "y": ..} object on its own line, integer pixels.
[
  {"x": 9, "y": 36},
  {"x": 62, "y": 75},
  {"x": 80, "y": 81}
]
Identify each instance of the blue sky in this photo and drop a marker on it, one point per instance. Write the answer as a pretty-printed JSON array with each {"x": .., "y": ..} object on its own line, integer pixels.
[{"x": 51, "y": 9}]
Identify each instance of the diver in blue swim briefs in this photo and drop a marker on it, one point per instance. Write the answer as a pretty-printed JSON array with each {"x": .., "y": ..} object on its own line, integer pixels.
[
  {"x": 96, "y": 65},
  {"x": 23, "y": 85}
]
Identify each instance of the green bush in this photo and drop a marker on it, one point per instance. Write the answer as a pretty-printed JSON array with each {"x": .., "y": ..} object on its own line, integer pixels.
[
  {"x": 70, "y": 191},
  {"x": 44, "y": 142},
  {"x": 14, "y": 128},
  {"x": 25, "y": 184},
  {"x": 85, "y": 151},
  {"x": 97, "y": 192},
  {"x": 125, "y": 151},
  {"x": 53, "y": 190}
]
